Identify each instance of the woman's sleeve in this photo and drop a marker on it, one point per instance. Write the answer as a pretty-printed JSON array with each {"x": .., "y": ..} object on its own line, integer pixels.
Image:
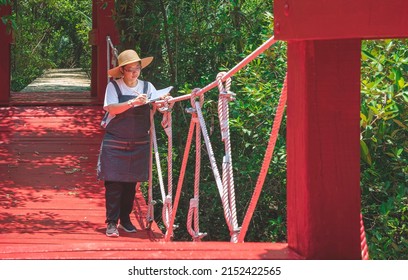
[{"x": 111, "y": 96}]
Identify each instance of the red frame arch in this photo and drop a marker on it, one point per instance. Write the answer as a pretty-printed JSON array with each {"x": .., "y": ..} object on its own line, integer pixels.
[{"x": 102, "y": 26}]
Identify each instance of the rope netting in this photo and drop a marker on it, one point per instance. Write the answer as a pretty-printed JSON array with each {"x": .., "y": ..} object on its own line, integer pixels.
[{"x": 225, "y": 180}]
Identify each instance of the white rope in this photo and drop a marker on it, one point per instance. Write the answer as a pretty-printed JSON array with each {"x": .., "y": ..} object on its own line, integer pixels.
[
  {"x": 150, "y": 201},
  {"x": 110, "y": 51},
  {"x": 220, "y": 186},
  {"x": 158, "y": 166},
  {"x": 193, "y": 225},
  {"x": 167, "y": 201},
  {"x": 227, "y": 173},
  {"x": 169, "y": 232}
]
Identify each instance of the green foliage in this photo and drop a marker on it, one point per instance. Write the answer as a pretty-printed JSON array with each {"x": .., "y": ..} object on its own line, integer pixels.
[
  {"x": 384, "y": 143},
  {"x": 8, "y": 20},
  {"x": 49, "y": 34}
]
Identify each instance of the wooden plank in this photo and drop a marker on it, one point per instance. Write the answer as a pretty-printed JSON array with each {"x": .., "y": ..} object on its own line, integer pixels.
[
  {"x": 155, "y": 251},
  {"x": 52, "y": 98},
  {"x": 340, "y": 19},
  {"x": 323, "y": 133}
]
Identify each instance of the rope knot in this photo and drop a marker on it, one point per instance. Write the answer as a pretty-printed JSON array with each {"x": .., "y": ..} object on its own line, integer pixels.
[{"x": 223, "y": 86}]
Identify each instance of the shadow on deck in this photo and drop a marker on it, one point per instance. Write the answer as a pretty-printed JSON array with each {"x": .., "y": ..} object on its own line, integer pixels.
[{"x": 50, "y": 198}]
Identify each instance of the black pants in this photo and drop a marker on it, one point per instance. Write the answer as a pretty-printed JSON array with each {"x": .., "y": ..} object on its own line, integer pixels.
[{"x": 119, "y": 198}]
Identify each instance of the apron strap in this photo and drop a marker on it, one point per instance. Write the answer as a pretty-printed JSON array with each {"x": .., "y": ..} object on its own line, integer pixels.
[
  {"x": 145, "y": 87},
  {"x": 118, "y": 91}
]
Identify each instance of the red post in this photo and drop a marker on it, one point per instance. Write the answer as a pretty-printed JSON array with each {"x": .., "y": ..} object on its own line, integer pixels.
[
  {"x": 323, "y": 189},
  {"x": 93, "y": 42},
  {"x": 5, "y": 54},
  {"x": 103, "y": 26},
  {"x": 323, "y": 132}
]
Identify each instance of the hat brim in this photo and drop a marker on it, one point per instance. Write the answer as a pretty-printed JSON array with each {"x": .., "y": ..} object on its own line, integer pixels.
[{"x": 116, "y": 73}]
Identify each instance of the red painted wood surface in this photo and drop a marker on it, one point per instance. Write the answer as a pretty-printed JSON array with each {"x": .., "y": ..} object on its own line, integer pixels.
[
  {"x": 133, "y": 250},
  {"x": 340, "y": 19},
  {"x": 5, "y": 51},
  {"x": 323, "y": 132},
  {"x": 53, "y": 98},
  {"x": 52, "y": 206},
  {"x": 49, "y": 196}
]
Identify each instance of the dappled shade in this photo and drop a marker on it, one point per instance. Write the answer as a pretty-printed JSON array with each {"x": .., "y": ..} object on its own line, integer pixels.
[{"x": 49, "y": 192}]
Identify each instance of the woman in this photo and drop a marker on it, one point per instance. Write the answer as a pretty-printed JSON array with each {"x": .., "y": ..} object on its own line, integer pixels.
[{"x": 124, "y": 156}]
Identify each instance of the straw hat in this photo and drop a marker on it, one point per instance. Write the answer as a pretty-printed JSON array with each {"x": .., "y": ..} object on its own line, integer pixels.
[{"x": 127, "y": 57}]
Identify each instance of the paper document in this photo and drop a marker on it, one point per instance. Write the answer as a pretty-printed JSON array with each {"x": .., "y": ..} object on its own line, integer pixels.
[{"x": 156, "y": 95}]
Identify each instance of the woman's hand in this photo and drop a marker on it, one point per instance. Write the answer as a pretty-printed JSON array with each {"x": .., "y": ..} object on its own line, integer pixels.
[
  {"x": 166, "y": 97},
  {"x": 139, "y": 100}
]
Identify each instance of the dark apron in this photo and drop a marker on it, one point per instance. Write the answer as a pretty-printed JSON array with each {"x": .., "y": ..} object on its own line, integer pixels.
[{"x": 124, "y": 155}]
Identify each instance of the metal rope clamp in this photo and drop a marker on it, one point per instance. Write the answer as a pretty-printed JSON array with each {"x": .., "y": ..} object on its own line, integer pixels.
[
  {"x": 167, "y": 207},
  {"x": 192, "y": 110},
  {"x": 229, "y": 95}
]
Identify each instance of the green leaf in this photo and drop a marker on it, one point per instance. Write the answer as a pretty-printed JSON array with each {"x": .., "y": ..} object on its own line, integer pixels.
[
  {"x": 401, "y": 83},
  {"x": 390, "y": 44},
  {"x": 374, "y": 110},
  {"x": 363, "y": 117},
  {"x": 400, "y": 124},
  {"x": 405, "y": 96},
  {"x": 397, "y": 73},
  {"x": 365, "y": 153},
  {"x": 399, "y": 152},
  {"x": 369, "y": 55}
]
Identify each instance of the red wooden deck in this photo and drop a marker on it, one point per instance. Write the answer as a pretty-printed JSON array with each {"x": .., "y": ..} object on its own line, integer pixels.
[
  {"x": 52, "y": 206},
  {"x": 52, "y": 98}
]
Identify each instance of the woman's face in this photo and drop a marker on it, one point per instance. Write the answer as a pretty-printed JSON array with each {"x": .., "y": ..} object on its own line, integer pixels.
[{"x": 131, "y": 71}]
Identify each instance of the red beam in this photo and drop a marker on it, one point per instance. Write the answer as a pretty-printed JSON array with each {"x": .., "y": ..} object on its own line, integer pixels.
[{"x": 340, "y": 19}]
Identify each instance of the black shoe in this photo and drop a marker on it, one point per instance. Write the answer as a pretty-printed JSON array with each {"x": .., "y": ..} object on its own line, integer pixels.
[{"x": 128, "y": 227}]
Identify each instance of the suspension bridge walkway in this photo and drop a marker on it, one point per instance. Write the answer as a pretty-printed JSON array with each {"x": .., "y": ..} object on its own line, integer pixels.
[
  {"x": 56, "y": 86},
  {"x": 52, "y": 206}
]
